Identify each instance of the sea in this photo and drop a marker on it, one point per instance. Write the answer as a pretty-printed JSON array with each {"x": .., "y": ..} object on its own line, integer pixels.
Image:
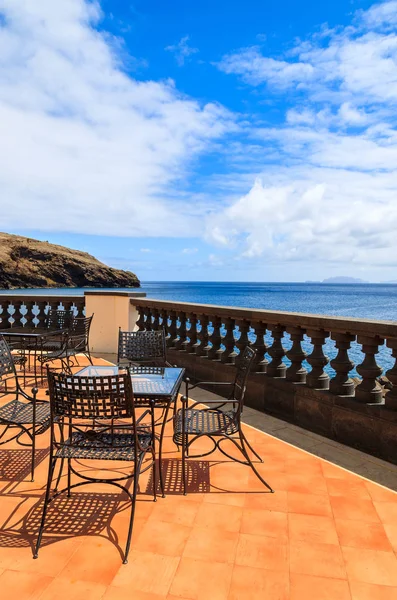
[{"x": 371, "y": 301}]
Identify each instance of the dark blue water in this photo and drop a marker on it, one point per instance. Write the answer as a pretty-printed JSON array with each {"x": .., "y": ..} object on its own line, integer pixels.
[{"x": 372, "y": 301}]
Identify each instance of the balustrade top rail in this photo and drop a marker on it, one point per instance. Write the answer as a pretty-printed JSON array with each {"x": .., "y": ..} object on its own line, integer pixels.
[{"x": 359, "y": 327}]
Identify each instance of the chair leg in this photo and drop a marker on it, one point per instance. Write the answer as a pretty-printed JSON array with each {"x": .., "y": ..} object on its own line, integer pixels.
[
  {"x": 133, "y": 503},
  {"x": 251, "y": 448},
  {"x": 46, "y": 503},
  {"x": 33, "y": 451},
  {"x": 69, "y": 476},
  {"x": 251, "y": 464}
]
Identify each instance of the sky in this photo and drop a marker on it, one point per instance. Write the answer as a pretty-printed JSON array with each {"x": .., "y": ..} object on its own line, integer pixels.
[{"x": 213, "y": 141}]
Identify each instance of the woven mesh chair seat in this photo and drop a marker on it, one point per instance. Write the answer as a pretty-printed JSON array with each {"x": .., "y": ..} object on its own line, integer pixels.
[
  {"x": 207, "y": 422},
  {"x": 21, "y": 413},
  {"x": 19, "y": 360},
  {"x": 102, "y": 446},
  {"x": 51, "y": 345}
]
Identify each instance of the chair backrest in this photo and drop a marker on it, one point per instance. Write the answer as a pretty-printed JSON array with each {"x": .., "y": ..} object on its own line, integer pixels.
[
  {"x": 7, "y": 366},
  {"x": 244, "y": 367},
  {"x": 142, "y": 346},
  {"x": 79, "y": 332},
  {"x": 58, "y": 319},
  {"x": 83, "y": 397}
]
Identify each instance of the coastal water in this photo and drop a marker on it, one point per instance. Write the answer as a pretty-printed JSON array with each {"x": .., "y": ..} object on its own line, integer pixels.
[{"x": 371, "y": 301}]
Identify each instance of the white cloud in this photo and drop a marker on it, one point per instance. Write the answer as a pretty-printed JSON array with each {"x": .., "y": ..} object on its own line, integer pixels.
[
  {"x": 145, "y": 250},
  {"x": 332, "y": 195},
  {"x": 182, "y": 50},
  {"x": 84, "y": 146},
  {"x": 189, "y": 250}
]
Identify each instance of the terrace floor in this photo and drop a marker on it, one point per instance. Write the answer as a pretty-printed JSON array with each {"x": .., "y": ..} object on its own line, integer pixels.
[{"x": 326, "y": 533}]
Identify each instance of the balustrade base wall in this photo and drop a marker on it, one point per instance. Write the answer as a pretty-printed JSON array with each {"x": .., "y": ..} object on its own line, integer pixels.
[{"x": 372, "y": 429}]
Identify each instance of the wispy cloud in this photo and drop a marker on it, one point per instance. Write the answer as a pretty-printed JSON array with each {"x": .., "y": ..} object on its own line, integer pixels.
[
  {"x": 189, "y": 250},
  {"x": 182, "y": 51},
  {"x": 332, "y": 195},
  {"x": 85, "y": 147}
]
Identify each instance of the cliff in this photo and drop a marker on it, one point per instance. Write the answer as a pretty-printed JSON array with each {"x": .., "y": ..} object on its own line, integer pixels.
[{"x": 26, "y": 263}]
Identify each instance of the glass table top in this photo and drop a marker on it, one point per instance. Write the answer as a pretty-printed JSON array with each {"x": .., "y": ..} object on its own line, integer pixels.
[{"x": 146, "y": 381}]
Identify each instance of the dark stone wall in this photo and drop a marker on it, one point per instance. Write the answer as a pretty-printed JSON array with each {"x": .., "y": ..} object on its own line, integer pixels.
[{"x": 371, "y": 428}]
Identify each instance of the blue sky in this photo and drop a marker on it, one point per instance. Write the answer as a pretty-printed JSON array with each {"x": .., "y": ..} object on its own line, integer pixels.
[{"x": 247, "y": 141}]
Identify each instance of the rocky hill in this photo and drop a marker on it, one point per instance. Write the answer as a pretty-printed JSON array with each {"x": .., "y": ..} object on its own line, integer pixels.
[{"x": 26, "y": 263}]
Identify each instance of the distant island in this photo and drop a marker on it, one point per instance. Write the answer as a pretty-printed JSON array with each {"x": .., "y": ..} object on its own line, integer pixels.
[
  {"x": 343, "y": 280},
  {"x": 29, "y": 263}
]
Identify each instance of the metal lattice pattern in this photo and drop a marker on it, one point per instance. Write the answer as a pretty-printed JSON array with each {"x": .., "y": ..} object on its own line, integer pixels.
[
  {"x": 21, "y": 413},
  {"x": 58, "y": 319},
  {"x": 6, "y": 361},
  {"x": 243, "y": 370},
  {"x": 106, "y": 397},
  {"x": 102, "y": 446},
  {"x": 205, "y": 422},
  {"x": 141, "y": 346}
]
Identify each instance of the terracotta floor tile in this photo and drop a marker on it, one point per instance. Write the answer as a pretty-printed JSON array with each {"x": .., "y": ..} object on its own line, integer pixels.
[
  {"x": 371, "y": 535},
  {"x": 306, "y": 484},
  {"x": 321, "y": 560},
  {"x": 387, "y": 511},
  {"x": 309, "y": 504},
  {"x": 22, "y": 585},
  {"x": 146, "y": 572},
  {"x": 303, "y": 587},
  {"x": 265, "y": 522},
  {"x": 225, "y": 498},
  {"x": 332, "y": 471},
  {"x": 216, "y": 516},
  {"x": 391, "y": 532},
  {"x": 256, "y": 584},
  {"x": 71, "y": 589},
  {"x": 352, "y": 489},
  {"x": 211, "y": 544},
  {"x": 96, "y": 559},
  {"x": 261, "y": 552},
  {"x": 371, "y": 566},
  {"x": 312, "y": 528},
  {"x": 164, "y": 538},
  {"x": 367, "y": 591},
  {"x": 267, "y": 501},
  {"x": 119, "y": 593},
  {"x": 201, "y": 580},
  {"x": 174, "y": 509},
  {"x": 350, "y": 508},
  {"x": 380, "y": 494}
]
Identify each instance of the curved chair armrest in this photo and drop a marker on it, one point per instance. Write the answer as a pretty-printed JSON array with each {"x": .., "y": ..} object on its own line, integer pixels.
[
  {"x": 190, "y": 387},
  {"x": 210, "y": 402}
]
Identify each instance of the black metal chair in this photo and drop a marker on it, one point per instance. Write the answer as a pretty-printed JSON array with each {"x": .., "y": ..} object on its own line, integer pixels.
[
  {"x": 74, "y": 342},
  {"x": 27, "y": 414},
  {"x": 218, "y": 420},
  {"x": 142, "y": 348},
  {"x": 93, "y": 418}
]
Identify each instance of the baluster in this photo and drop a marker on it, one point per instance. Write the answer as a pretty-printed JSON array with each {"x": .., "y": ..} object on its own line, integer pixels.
[
  {"x": 203, "y": 347},
  {"x": 41, "y": 314},
  {"x": 318, "y": 378},
  {"x": 149, "y": 319},
  {"x": 17, "y": 314},
  {"x": 172, "y": 328},
  {"x": 296, "y": 372},
  {"x": 165, "y": 326},
  {"x": 141, "y": 318},
  {"x": 190, "y": 346},
  {"x": 260, "y": 347},
  {"x": 391, "y": 395},
  {"x": 181, "y": 331},
  {"x": 215, "y": 351},
  {"x": 276, "y": 367},
  {"x": 229, "y": 354},
  {"x": 156, "y": 319},
  {"x": 341, "y": 384},
  {"x": 9, "y": 314},
  {"x": 369, "y": 390},
  {"x": 243, "y": 340}
]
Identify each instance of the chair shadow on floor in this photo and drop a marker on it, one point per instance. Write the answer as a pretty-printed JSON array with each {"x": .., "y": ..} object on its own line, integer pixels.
[{"x": 83, "y": 514}]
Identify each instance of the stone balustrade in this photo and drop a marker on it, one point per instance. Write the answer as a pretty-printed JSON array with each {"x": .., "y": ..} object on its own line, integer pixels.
[
  {"x": 30, "y": 310},
  {"x": 220, "y": 334}
]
